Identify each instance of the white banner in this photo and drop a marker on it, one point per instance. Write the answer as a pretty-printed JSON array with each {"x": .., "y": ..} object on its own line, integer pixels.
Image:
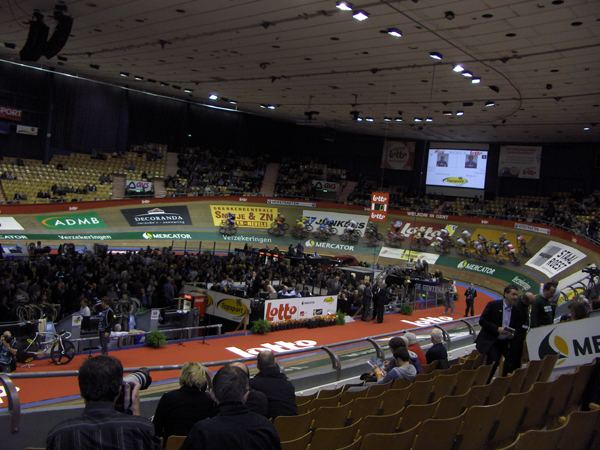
[
  {"x": 518, "y": 161},
  {"x": 295, "y": 308},
  {"x": 9, "y": 224},
  {"x": 404, "y": 254},
  {"x": 326, "y": 185},
  {"x": 575, "y": 342},
  {"x": 340, "y": 221},
  {"x": 222, "y": 305},
  {"x": 554, "y": 258},
  {"x": 287, "y": 203},
  {"x": 134, "y": 185},
  {"x": 524, "y": 226},
  {"x": 22, "y": 129}
]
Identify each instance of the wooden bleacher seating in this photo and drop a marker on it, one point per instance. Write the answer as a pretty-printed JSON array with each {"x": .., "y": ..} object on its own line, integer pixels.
[
  {"x": 297, "y": 444},
  {"x": 442, "y": 434},
  {"x": 331, "y": 416},
  {"x": 397, "y": 441},
  {"x": 334, "y": 438},
  {"x": 291, "y": 428}
]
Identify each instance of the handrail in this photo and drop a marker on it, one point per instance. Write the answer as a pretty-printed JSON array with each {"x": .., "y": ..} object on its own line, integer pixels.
[
  {"x": 14, "y": 404},
  {"x": 335, "y": 362}
]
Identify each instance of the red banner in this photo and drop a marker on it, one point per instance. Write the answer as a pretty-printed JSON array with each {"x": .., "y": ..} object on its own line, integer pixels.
[
  {"x": 10, "y": 113},
  {"x": 398, "y": 155},
  {"x": 380, "y": 202}
]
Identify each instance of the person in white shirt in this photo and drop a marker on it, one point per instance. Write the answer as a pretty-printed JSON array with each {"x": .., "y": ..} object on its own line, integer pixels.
[{"x": 84, "y": 309}]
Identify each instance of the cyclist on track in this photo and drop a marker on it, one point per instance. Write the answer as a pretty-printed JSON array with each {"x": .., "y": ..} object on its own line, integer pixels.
[
  {"x": 280, "y": 220},
  {"x": 466, "y": 235},
  {"x": 301, "y": 222},
  {"x": 372, "y": 230},
  {"x": 461, "y": 243},
  {"x": 230, "y": 219},
  {"x": 502, "y": 237},
  {"x": 351, "y": 227},
  {"x": 481, "y": 238}
]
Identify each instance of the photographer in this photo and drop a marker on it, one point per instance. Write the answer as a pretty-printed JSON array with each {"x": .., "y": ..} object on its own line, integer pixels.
[
  {"x": 8, "y": 351},
  {"x": 100, "y": 426}
]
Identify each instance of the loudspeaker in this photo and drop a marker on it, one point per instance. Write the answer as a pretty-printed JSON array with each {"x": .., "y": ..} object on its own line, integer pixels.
[
  {"x": 59, "y": 38},
  {"x": 36, "y": 41}
]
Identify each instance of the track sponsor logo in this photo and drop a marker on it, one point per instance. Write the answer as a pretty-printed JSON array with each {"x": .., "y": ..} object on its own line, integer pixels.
[
  {"x": 429, "y": 230},
  {"x": 260, "y": 240},
  {"x": 150, "y": 236},
  {"x": 73, "y": 221},
  {"x": 466, "y": 265},
  {"x": 276, "y": 347},
  {"x": 340, "y": 221},
  {"x": 172, "y": 215},
  {"x": 84, "y": 237},
  {"x": 311, "y": 243},
  {"x": 455, "y": 180}
]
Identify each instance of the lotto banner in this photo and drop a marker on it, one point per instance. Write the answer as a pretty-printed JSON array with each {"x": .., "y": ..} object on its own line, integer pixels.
[
  {"x": 576, "y": 343},
  {"x": 245, "y": 216},
  {"x": 398, "y": 155},
  {"x": 379, "y": 206},
  {"x": 518, "y": 161},
  {"x": 295, "y": 308},
  {"x": 554, "y": 258}
]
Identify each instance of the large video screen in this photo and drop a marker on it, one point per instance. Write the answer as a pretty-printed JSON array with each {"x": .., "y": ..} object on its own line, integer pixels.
[{"x": 456, "y": 168}]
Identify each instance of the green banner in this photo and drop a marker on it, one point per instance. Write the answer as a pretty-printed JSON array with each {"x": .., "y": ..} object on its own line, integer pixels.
[
  {"x": 500, "y": 272},
  {"x": 89, "y": 220}
]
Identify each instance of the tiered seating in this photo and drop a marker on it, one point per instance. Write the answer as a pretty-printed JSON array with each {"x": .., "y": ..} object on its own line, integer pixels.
[{"x": 461, "y": 422}]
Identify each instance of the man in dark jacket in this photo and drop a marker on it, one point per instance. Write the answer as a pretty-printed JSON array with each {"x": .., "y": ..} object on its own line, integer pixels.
[
  {"x": 235, "y": 427},
  {"x": 279, "y": 390}
]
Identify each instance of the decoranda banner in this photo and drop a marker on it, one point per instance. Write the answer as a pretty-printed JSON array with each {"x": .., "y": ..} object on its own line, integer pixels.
[{"x": 398, "y": 155}]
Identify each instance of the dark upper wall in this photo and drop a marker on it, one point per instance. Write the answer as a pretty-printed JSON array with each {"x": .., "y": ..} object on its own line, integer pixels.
[{"x": 82, "y": 115}]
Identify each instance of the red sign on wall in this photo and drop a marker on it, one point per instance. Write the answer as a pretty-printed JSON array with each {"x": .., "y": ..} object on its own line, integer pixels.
[
  {"x": 10, "y": 113},
  {"x": 379, "y": 206}
]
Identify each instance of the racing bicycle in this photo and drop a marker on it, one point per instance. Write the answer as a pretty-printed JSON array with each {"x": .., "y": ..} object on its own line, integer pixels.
[
  {"x": 58, "y": 345},
  {"x": 227, "y": 229}
]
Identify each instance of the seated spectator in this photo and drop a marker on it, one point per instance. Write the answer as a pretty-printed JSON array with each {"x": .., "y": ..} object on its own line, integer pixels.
[
  {"x": 179, "y": 410},
  {"x": 437, "y": 351},
  {"x": 257, "y": 401},
  {"x": 279, "y": 390},
  {"x": 402, "y": 368},
  {"x": 414, "y": 346}
]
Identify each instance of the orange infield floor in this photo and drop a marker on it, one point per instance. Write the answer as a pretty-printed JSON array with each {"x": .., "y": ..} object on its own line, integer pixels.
[{"x": 38, "y": 391}]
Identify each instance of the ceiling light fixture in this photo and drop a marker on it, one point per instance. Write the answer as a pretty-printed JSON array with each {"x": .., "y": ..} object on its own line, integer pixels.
[
  {"x": 162, "y": 83},
  {"x": 187, "y": 91},
  {"x": 436, "y": 55},
  {"x": 344, "y": 6},
  {"x": 387, "y": 119},
  {"x": 213, "y": 96},
  {"x": 398, "y": 119},
  {"x": 370, "y": 119},
  {"x": 360, "y": 15},
  {"x": 124, "y": 74},
  {"x": 418, "y": 119},
  {"x": 137, "y": 78},
  {"x": 476, "y": 80},
  {"x": 494, "y": 88},
  {"x": 447, "y": 113},
  {"x": 233, "y": 102},
  {"x": 490, "y": 104},
  {"x": 263, "y": 106},
  {"x": 394, "y": 32},
  {"x": 359, "y": 119},
  {"x": 449, "y": 15},
  {"x": 586, "y": 128},
  {"x": 467, "y": 74},
  {"x": 459, "y": 113},
  {"x": 458, "y": 68},
  {"x": 429, "y": 119},
  {"x": 271, "y": 106}
]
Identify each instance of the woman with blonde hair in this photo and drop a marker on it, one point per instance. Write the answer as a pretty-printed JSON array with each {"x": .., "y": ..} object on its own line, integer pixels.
[{"x": 179, "y": 410}]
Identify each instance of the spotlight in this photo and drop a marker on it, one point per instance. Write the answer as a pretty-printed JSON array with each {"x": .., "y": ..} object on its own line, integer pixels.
[
  {"x": 476, "y": 80},
  {"x": 271, "y": 106},
  {"x": 163, "y": 84},
  {"x": 213, "y": 97},
  {"x": 360, "y": 15},
  {"x": 436, "y": 55},
  {"x": 449, "y": 15},
  {"x": 394, "y": 32},
  {"x": 387, "y": 119},
  {"x": 429, "y": 119},
  {"x": 398, "y": 119},
  {"x": 187, "y": 91},
  {"x": 124, "y": 74},
  {"x": 447, "y": 113},
  {"x": 233, "y": 102},
  {"x": 458, "y": 68},
  {"x": 369, "y": 119},
  {"x": 467, "y": 74},
  {"x": 176, "y": 87},
  {"x": 136, "y": 78},
  {"x": 263, "y": 106},
  {"x": 586, "y": 128},
  {"x": 489, "y": 104},
  {"x": 344, "y": 6},
  {"x": 459, "y": 113},
  {"x": 359, "y": 119},
  {"x": 418, "y": 119}
]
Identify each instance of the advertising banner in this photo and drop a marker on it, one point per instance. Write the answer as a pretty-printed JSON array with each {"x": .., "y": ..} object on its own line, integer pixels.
[
  {"x": 9, "y": 224},
  {"x": 163, "y": 216},
  {"x": 271, "y": 201},
  {"x": 428, "y": 229},
  {"x": 406, "y": 254},
  {"x": 294, "y": 308},
  {"x": 533, "y": 228},
  {"x": 519, "y": 161},
  {"x": 326, "y": 185},
  {"x": 137, "y": 185},
  {"x": 555, "y": 257},
  {"x": 89, "y": 220},
  {"x": 220, "y": 304},
  {"x": 398, "y": 155},
  {"x": 246, "y": 216},
  {"x": 11, "y": 113},
  {"x": 32, "y": 131},
  {"x": 576, "y": 343},
  {"x": 340, "y": 220},
  {"x": 379, "y": 206}
]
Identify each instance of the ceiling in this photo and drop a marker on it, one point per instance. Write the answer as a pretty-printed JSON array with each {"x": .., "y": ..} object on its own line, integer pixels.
[{"x": 542, "y": 59}]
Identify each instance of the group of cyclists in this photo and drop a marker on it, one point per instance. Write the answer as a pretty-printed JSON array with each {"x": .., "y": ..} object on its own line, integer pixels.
[{"x": 480, "y": 248}]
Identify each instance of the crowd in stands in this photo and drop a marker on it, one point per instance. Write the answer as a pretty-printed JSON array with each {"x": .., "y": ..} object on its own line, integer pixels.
[{"x": 294, "y": 178}]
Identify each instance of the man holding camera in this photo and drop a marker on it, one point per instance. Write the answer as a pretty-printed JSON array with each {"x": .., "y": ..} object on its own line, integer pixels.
[
  {"x": 101, "y": 427},
  {"x": 8, "y": 352}
]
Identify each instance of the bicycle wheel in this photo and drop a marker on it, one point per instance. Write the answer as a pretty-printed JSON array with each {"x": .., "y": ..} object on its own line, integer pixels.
[
  {"x": 285, "y": 226},
  {"x": 223, "y": 230},
  {"x": 272, "y": 230},
  {"x": 308, "y": 228},
  {"x": 333, "y": 230},
  {"x": 379, "y": 236},
  {"x": 62, "y": 354},
  {"x": 49, "y": 311}
]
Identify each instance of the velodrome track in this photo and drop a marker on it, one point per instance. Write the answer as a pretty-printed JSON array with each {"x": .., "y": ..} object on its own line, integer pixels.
[{"x": 202, "y": 233}]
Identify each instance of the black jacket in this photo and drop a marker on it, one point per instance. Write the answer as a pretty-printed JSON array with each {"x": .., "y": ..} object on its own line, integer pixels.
[{"x": 279, "y": 390}]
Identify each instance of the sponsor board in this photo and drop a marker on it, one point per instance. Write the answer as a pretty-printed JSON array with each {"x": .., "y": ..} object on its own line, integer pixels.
[
  {"x": 10, "y": 224},
  {"x": 311, "y": 243},
  {"x": 298, "y": 308},
  {"x": 152, "y": 235},
  {"x": 239, "y": 238},
  {"x": 428, "y": 215},
  {"x": 532, "y": 228},
  {"x": 72, "y": 222},
  {"x": 457, "y": 181},
  {"x": 576, "y": 343},
  {"x": 326, "y": 185},
  {"x": 135, "y": 185},
  {"x": 555, "y": 257},
  {"x": 340, "y": 220},
  {"x": 290, "y": 203},
  {"x": 220, "y": 304},
  {"x": 509, "y": 276},
  {"x": 518, "y": 161},
  {"x": 11, "y": 113},
  {"x": 427, "y": 321},
  {"x": 14, "y": 237},
  {"x": 379, "y": 206},
  {"x": 159, "y": 216},
  {"x": 277, "y": 347},
  {"x": 405, "y": 255},
  {"x": 31, "y": 131},
  {"x": 398, "y": 155},
  {"x": 245, "y": 216},
  {"x": 429, "y": 230},
  {"x": 84, "y": 237}
]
